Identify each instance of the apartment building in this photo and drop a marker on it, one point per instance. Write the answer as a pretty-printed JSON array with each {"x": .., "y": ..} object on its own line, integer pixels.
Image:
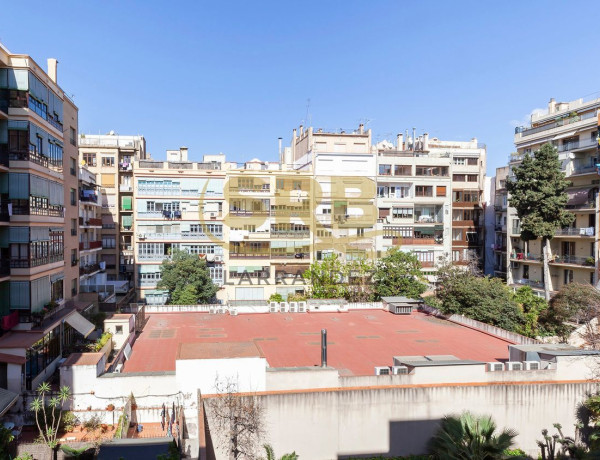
[
  {"x": 572, "y": 127},
  {"x": 341, "y": 166},
  {"x": 110, "y": 157},
  {"x": 500, "y": 221},
  {"x": 178, "y": 205},
  {"x": 430, "y": 198}
]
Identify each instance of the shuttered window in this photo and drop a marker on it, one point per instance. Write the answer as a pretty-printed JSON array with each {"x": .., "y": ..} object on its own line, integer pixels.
[
  {"x": 440, "y": 190},
  {"x": 108, "y": 180}
]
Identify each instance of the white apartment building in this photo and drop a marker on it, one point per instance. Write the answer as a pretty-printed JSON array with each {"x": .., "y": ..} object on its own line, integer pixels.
[{"x": 572, "y": 127}]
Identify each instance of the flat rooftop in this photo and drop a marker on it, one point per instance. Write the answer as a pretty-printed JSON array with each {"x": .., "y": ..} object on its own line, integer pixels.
[{"x": 357, "y": 341}]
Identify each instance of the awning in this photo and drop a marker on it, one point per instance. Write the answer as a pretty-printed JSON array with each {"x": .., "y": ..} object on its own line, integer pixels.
[
  {"x": 577, "y": 197},
  {"x": 561, "y": 136},
  {"x": 80, "y": 324}
]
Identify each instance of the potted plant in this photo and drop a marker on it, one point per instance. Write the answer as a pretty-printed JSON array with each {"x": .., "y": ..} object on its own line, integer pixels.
[
  {"x": 590, "y": 261},
  {"x": 110, "y": 407}
]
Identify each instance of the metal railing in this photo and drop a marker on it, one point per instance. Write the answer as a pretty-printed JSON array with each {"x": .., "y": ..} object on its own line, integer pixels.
[
  {"x": 574, "y": 231},
  {"x": 563, "y": 122},
  {"x": 179, "y": 236},
  {"x": 573, "y": 260},
  {"x": 530, "y": 283}
]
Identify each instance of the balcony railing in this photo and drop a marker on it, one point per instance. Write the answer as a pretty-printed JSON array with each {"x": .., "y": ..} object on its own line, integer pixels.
[
  {"x": 289, "y": 234},
  {"x": 28, "y": 210},
  {"x": 573, "y": 231},
  {"x": 30, "y": 263},
  {"x": 565, "y": 121},
  {"x": 573, "y": 260},
  {"x": 428, "y": 219},
  {"x": 88, "y": 269},
  {"x": 589, "y": 204},
  {"x": 179, "y": 236},
  {"x": 86, "y": 245},
  {"x": 417, "y": 241},
  {"x": 244, "y": 212},
  {"x": 249, "y": 255},
  {"x": 262, "y": 188},
  {"x": 28, "y": 155},
  {"x": 153, "y": 256},
  {"x": 523, "y": 256},
  {"x": 515, "y": 230},
  {"x": 94, "y": 222},
  {"x": 530, "y": 283}
]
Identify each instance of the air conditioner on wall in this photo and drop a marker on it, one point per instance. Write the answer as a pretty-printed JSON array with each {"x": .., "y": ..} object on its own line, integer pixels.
[
  {"x": 382, "y": 370},
  {"x": 399, "y": 370},
  {"x": 532, "y": 365},
  {"x": 514, "y": 366},
  {"x": 495, "y": 367}
]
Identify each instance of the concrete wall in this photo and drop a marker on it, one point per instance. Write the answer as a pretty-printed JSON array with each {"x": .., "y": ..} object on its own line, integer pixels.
[{"x": 400, "y": 420}]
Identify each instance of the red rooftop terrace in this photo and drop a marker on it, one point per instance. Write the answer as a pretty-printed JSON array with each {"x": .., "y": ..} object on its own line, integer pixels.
[{"x": 358, "y": 340}]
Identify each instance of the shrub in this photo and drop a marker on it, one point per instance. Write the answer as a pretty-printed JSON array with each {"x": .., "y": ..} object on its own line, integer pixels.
[{"x": 276, "y": 298}]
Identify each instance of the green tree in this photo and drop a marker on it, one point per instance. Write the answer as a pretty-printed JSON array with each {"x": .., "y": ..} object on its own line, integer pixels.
[
  {"x": 48, "y": 412},
  {"x": 398, "y": 273},
  {"x": 358, "y": 274},
  {"x": 538, "y": 195},
  {"x": 487, "y": 300},
  {"x": 470, "y": 437},
  {"x": 532, "y": 306},
  {"x": 276, "y": 298},
  {"x": 186, "y": 270},
  {"x": 271, "y": 454},
  {"x": 326, "y": 278},
  {"x": 6, "y": 437},
  {"x": 576, "y": 303}
]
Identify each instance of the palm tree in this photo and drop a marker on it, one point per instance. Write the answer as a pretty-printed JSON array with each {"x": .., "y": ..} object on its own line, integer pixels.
[
  {"x": 470, "y": 437},
  {"x": 48, "y": 427},
  {"x": 271, "y": 454}
]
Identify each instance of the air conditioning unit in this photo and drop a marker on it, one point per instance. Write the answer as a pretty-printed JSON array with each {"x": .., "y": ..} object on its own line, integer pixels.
[
  {"x": 399, "y": 370},
  {"x": 551, "y": 366},
  {"x": 343, "y": 308},
  {"x": 233, "y": 312},
  {"x": 210, "y": 257},
  {"x": 213, "y": 214},
  {"x": 382, "y": 370},
  {"x": 118, "y": 368},
  {"x": 302, "y": 307},
  {"x": 218, "y": 258},
  {"x": 515, "y": 265},
  {"x": 273, "y": 307},
  {"x": 212, "y": 310},
  {"x": 293, "y": 307},
  {"x": 222, "y": 310},
  {"x": 532, "y": 365},
  {"x": 141, "y": 236},
  {"x": 495, "y": 367},
  {"x": 284, "y": 307},
  {"x": 514, "y": 366}
]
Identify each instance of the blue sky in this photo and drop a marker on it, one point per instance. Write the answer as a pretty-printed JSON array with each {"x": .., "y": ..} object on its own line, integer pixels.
[{"x": 232, "y": 77}]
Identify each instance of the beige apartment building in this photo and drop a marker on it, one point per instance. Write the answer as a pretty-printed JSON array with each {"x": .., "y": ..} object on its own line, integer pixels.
[
  {"x": 429, "y": 198},
  {"x": 572, "y": 127}
]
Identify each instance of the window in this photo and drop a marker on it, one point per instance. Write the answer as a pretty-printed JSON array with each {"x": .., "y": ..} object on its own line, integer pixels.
[
  {"x": 89, "y": 159},
  {"x": 402, "y": 213},
  {"x": 73, "y": 227},
  {"x": 360, "y": 232},
  {"x": 108, "y": 241},
  {"x": 525, "y": 272},
  {"x": 73, "y": 166},
  {"x": 326, "y": 211},
  {"x": 108, "y": 161},
  {"x": 472, "y": 178},
  {"x": 431, "y": 171},
  {"x": 472, "y": 237},
  {"x": 108, "y": 180},
  {"x": 74, "y": 286},
  {"x": 473, "y": 161},
  {"x": 459, "y": 161},
  {"x": 440, "y": 190},
  {"x": 73, "y": 257},
  {"x": 39, "y": 145},
  {"x": 118, "y": 330},
  {"x": 424, "y": 190},
  {"x": 73, "y": 195},
  {"x": 568, "y": 276},
  {"x": 457, "y": 234},
  {"x": 459, "y": 177},
  {"x": 73, "y": 136},
  {"x": 385, "y": 170},
  {"x": 402, "y": 170},
  {"x": 465, "y": 196}
]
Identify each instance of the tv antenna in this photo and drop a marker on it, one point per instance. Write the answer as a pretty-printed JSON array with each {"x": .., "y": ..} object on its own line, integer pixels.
[{"x": 308, "y": 115}]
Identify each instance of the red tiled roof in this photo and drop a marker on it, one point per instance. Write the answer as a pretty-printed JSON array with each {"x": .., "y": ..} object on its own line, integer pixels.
[
  {"x": 218, "y": 350},
  {"x": 20, "y": 339},
  {"x": 83, "y": 359},
  {"x": 357, "y": 341}
]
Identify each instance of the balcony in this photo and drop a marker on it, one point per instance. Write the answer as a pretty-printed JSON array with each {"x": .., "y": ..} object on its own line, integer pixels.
[
  {"x": 290, "y": 234},
  {"x": 32, "y": 156},
  {"x": 516, "y": 230},
  {"x": 521, "y": 256},
  {"x": 30, "y": 263},
  {"x": 157, "y": 257},
  {"x": 574, "y": 260},
  {"x": 125, "y": 188},
  {"x": 290, "y": 255},
  {"x": 247, "y": 213},
  {"x": 249, "y": 255},
  {"x": 125, "y": 167},
  {"x": 399, "y": 241},
  {"x": 290, "y": 212},
  {"x": 531, "y": 283},
  {"x": 564, "y": 122},
  {"x": 588, "y": 232},
  {"x": 259, "y": 188},
  {"x": 26, "y": 209},
  {"x": 588, "y": 204},
  {"x": 89, "y": 269},
  {"x": 91, "y": 222},
  {"x": 180, "y": 236},
  {"x": 109, "y": 226},
  {"x": 89, "y": 245}
]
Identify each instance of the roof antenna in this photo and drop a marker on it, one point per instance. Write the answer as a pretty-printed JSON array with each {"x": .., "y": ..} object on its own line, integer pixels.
[{"x": 308, "y": 115}]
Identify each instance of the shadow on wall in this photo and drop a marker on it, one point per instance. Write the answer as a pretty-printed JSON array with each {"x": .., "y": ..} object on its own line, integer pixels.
[{"x": 409, "y": 437}]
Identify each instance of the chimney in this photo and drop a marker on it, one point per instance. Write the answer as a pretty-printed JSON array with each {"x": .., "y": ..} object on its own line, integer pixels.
[
  {"x": 414, "y": 139},
  {"x": 399, "y": 141},
  {"x": 552, "y": 105},
  {"x": 323, "y": 347},
  {"x": 301, "y": 130},
  {"x": 426, "y": 141},
  {"x": 52, "y": 65},
  {"x": 361, "y": 129},
  {"x": 183, "y": 154}
]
